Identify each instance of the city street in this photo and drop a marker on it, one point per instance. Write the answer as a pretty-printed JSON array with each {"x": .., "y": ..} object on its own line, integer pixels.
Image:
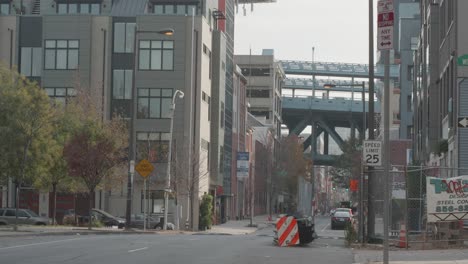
[{"x": 201, "y": 248}]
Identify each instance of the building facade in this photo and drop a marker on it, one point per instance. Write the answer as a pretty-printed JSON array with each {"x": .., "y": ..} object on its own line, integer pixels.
[{"x": 109, "y": 48}]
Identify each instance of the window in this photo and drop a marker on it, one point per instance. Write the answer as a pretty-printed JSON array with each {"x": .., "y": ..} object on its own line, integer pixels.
[
  {"x": 10, "y": 213},
  {"x": 4, "y": 9},
  {"x": 124, "y": 34},
  {"x": 60, "y": 95},
  {"x": 22, "y": 213},
  {"x": 154, "y": 103},
  {"x": 153, "y": 146},
  {"x": 263, "y": 93},
  {"x": 180, "y": 10},
  {"x": 156, "y": 55},
  {"x": 256, "y": 71},
  {"x": 221, "y": 159},
  {"x": 122, "y": 84},
  {"x": 204, "y": 97},
  {"x": 31, "y": 61},
  {"x": 74, "y": 8},
  {"x": 61, "y": 54},
  {"x": 221, "y": 122}
]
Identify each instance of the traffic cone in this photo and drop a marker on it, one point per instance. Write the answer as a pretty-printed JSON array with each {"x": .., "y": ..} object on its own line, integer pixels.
[{"x": 402, "y": 237}]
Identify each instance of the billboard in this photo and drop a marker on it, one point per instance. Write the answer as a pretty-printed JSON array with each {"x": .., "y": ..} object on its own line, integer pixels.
[
  {"x": 447, "y": 199},
  {"x": 242, "y": 165}
]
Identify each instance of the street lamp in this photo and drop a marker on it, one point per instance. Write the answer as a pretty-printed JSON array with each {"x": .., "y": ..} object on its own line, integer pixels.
[
  {"x": 169, "y": 156},
  {"x": 133, "y": 111}
]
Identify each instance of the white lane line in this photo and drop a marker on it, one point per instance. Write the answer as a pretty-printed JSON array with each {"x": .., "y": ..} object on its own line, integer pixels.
[
  {"x": 41, "y": 243},
  {"x": 325, "y": 227},
  {"x": 138, "y": 249}
]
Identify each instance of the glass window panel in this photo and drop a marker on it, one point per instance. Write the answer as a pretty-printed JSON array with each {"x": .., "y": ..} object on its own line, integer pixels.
[
  {"x": 26, "y": 54},
  {"x": 71, "y": 92},
  {"x": 119, "y": 33},
  {"x": 159, "y": 9},
  {"x": 142, "y": 108},
  {"x": 155, "y": 108},
  {"x": 60, "y": 91},
  {"x": 165, "y": 136},
  {"x": 84, "y": 8},
  {"x": 156, "y": 44},
  {"x": 61, "y": 43},
  {"x": 155, "y": 92},
  {"x": 50, "y": 91},
  {"x": 181, "y": 9},
  {"x": 153, "y": 136},
  {"x": 72, "y": 59},
  {"x": 144, "y": 61},
  {"x": 155, "y": 60},
  {"x": 72, "y": 8},
  {"x": 4, "y": 9},
  {"x": 129, "y": 37},
  {"x": 62, "y": 8},
  {"x": 61, "y": 59},
  {"x": 118, "y": 85},
  {"x": 168, "y": 44},
  {"x": 142, "y": 136},
  {"x": 36, "y": 62},
  {"x": 167, "y": 93},
  {"x": 143, "y": 92},
  {"x": 73, "y": 44},
  {"x": 50, "y": 59},
  {"x": 95, "y": 9},
  {"x": 144, "y": 44},
  {"x": 166, "y": 107},
  {"x": 190, "y": 9},
  {"x": 50, "y": 43},
  {"x": 169, "y": 9},
  {"x": 168, "y": 60},
  {"x": 128, "y": 84}
]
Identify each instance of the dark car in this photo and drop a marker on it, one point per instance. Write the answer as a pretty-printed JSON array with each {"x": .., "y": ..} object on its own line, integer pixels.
[
  {"x": 341, "y": 219},
  {"x": 137, "y": 222}
]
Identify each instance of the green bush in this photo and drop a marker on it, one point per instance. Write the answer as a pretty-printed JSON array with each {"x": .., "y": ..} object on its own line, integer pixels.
[{"x": 206, "y": 208}]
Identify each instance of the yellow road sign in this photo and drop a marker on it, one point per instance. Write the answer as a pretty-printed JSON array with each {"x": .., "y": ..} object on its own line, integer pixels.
[{"x": 144, "y": 168}]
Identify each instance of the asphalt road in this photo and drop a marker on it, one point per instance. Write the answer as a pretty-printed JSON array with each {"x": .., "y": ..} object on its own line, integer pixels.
[{"x": 198, "y": 249}]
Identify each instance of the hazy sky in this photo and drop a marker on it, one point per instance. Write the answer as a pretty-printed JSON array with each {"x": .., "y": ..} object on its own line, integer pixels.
[{"x": 338, "y": 29}]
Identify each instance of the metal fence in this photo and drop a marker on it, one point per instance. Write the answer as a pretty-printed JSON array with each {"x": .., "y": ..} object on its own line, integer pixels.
[{"x": 408, "y": 213}]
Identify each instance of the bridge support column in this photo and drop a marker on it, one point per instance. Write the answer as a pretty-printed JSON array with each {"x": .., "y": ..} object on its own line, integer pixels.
[{"x": 325, "y": 143}]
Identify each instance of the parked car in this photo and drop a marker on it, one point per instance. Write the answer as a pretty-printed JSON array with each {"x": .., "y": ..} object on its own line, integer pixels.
[
  {"x": 344, "y": 210},
  {"x": 25, "y": 217},
  {"x": 341, "y": 219},
  {"x": 137, "y": 222},
  {"x": 104, "y": 217}
]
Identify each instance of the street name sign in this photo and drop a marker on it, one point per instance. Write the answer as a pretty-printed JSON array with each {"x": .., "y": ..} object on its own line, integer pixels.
[
  {"x": 385, "y": 23},
  {"x": 144, "y": 168},
  {"x": 372, "y": 153}
]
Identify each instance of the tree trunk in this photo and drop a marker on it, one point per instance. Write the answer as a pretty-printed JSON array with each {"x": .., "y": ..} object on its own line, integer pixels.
[
  {"x": 15, "y": 227},
  {"x": 90, "y": 206},
  {"x": 54, "y": 207}
]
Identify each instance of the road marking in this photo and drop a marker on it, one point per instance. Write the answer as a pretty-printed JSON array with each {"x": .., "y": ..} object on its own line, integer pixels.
[
  {"x": 325, "y": 227},
  {"x": 41, "y": 243},
  {"x": 138, "y": 249}
]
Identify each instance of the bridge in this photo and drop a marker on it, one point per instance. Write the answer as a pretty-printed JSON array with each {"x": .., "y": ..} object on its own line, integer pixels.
[{"x": 327, "y": 104}]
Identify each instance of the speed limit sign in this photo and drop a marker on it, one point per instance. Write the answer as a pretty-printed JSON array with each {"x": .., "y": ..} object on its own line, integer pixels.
[{"x": 372, "y": 153}]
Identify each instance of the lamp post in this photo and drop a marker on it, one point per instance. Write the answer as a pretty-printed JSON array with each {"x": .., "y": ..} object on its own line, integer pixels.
[
  {"x": 169, "y": 157},
  {"x": 132, "y": 136}
]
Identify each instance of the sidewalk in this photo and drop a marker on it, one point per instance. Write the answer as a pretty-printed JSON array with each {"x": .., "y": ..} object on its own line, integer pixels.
[
  {"x": 65, "y": 230},
  {"x": 239, "y": 227},
  {"x": 435, "y": 256}
]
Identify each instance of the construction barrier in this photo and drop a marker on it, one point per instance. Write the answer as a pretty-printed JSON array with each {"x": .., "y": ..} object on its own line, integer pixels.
[{"x": 287, "y": 231}]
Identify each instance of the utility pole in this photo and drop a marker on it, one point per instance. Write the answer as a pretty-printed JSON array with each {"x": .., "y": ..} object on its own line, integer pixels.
[{"x": 370, "y": 195}]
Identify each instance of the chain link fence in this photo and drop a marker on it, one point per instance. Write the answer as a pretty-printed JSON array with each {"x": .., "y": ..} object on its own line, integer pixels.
[{"x": 408, "y": 224}]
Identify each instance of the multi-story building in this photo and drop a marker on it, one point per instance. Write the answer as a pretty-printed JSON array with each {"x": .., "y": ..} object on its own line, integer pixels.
[
  {"x": 264, "y": 84},
  {"x": 440, "y": 94},
  {"x": 111, "y": 47}
]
